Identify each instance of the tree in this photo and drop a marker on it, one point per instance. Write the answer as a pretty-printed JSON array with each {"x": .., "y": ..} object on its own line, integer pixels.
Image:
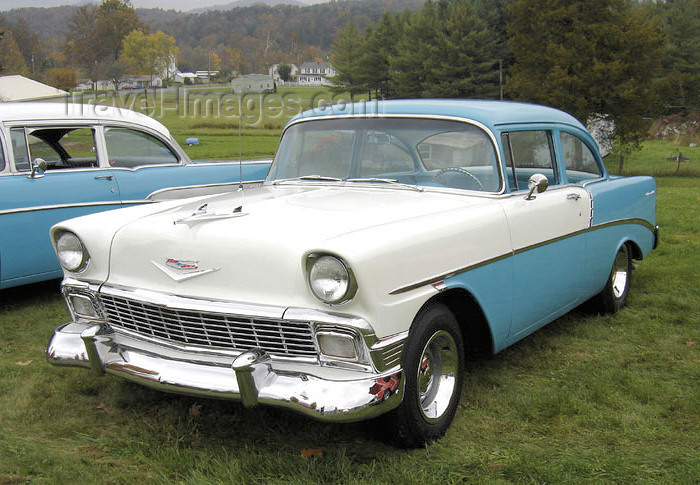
[
  {"x": 61, "y": 78},
  {"x": 447, "y": 50},
  {"x": 81, "y": 41},
  {"x": 11, "y": 60},
  {"x": 115, "y": 20},
  {"x": 379, "y": 46},
  {"x": 345, "y": 56},
  {"x": 587, "y": 57},
  {"x": 679, "y": 83},
  {"x": 285, "y": 72},
  {"x": 148, "y": 53},
  {"x": 115, "y": 71}
]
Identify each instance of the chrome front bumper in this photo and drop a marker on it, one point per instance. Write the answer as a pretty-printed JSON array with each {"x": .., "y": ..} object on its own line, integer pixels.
[{"x": 252, "y": 377}]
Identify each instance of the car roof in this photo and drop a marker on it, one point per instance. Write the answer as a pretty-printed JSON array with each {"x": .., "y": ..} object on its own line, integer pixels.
[
  {"x": 62, "y": 111},
  {"x": 487, "y": 112}
]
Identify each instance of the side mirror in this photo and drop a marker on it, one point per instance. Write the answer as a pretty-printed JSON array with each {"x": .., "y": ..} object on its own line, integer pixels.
[
  {"x": 38, "y": 168},
  {"x": 537, "y": 183}
]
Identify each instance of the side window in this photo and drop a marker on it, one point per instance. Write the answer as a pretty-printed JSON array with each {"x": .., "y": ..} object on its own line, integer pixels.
[
  {"x": 581, "y": 164},
  {"x": 19, "y": 149},
  {"x": 60, "y": 148},
  {"x": 131, "y": 148},
  {"x": 528, "y": 153}
]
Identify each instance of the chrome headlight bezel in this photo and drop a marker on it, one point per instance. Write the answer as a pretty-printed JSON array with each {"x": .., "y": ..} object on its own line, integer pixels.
[
  {"x": 348, "y": 289},
  {"x": 72, "y": 257}
]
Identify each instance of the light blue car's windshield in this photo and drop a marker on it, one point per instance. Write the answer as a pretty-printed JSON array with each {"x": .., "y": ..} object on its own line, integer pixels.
[{"x": 415, "y": 151}]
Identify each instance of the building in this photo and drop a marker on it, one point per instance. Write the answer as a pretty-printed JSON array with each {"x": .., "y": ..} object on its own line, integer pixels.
[
  {"x": 253, "y": 84},
  {"x": 316, "y": 74},
  {"x": 20, "y": 88}
]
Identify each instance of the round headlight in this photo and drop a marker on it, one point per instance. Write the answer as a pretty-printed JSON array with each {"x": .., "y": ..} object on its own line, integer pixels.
[
  {"x": 329, "y": 279},
  {"x": 71, "y": 253}
]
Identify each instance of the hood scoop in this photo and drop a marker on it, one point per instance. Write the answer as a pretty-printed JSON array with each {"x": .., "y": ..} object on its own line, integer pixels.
[{"x": 202, "y": 214}]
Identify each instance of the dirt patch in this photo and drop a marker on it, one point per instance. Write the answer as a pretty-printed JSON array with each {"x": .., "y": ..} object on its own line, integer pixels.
[{"x": 680, "y": 129}]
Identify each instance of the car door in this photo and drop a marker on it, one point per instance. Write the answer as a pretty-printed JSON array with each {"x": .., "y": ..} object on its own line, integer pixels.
[
  {"x": 72, "y": 185},
  {"x": 547, "y": 232}
]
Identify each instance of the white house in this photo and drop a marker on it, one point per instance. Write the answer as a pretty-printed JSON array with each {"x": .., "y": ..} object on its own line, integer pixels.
[{"x": 315, "y": 74}]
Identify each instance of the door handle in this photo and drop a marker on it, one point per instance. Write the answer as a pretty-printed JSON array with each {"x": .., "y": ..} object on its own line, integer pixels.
[
  {"x": 106, "y": 177},
  {"x": 573, "y": 196}
]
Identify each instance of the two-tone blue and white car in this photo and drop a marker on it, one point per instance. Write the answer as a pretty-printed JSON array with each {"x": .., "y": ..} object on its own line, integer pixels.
[
  {"x": 387, "y": 241},
  {"x": 62, "y": 160}
]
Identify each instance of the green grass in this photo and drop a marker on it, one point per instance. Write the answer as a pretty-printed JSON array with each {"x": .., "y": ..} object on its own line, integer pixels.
[
  {"x": 587, "y": 399},
  {"x": 652, "y": 160}
]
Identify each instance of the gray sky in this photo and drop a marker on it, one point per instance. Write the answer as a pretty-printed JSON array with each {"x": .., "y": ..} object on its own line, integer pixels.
[{"x": 166, "y": 4}]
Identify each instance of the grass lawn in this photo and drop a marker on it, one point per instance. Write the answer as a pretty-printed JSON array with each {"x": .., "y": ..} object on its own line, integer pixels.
[{"x": 587, "y": 399}]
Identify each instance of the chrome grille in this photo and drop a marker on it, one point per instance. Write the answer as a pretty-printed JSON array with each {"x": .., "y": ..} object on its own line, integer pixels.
[{"x": 215, "y": 330}]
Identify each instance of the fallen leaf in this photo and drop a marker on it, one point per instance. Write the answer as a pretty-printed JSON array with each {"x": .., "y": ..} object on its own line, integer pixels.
[
  {"x": 688, "y": 343},
  {"x": 101, "y": 406},
  {"x": 195, "y": 409},
  {"x": 23, "y": 363},
  {"x": 309, "y": 452}
]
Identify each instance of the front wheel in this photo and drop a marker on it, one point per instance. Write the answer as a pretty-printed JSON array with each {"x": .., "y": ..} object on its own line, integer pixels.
[
  {"x": 432, "y": 362},
  {"x": 614, "y": 295}
]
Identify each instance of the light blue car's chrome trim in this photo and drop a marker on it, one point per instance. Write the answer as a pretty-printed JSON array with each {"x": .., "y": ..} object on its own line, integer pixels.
[
  {"x": 464, "y": 269},
  {"x": 71, "y": 206}
]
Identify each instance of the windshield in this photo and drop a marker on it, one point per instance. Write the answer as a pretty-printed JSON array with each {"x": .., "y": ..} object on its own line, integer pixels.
[{"x": 414, "y": 151}]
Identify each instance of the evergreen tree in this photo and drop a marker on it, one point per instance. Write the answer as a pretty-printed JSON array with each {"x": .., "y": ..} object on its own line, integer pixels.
[
  {"x": 346, "y": 54},
  {"x": 679, "y": 84},
  {"x": 447, "y": 50},
  {"x": 586, "y": 57},
  {"x": 379, "y": 45}
]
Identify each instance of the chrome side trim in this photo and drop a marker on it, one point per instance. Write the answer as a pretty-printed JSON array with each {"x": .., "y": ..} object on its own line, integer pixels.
[
  {"x": 449, "y": 274},
  {"x": 72, "y": 206},
  {"x": 464, "y": 269}
]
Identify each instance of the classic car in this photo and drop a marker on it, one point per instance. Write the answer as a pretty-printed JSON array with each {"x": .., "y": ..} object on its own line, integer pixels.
[
  {"x": 61, "y": 160},
  {"x": 387, "y": 241}
]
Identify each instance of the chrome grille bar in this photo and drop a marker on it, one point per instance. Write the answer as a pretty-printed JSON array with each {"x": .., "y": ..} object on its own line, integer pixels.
[{"x": 210, "y": 329}]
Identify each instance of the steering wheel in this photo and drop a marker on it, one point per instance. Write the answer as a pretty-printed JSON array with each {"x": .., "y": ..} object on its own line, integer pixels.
[{"x": 461, "y": 170}]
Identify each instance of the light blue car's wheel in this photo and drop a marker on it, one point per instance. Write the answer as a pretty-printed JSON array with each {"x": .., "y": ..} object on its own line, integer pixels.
[
  {"x": 432, "y": 362},
  {"x": 614, "y": 295}
]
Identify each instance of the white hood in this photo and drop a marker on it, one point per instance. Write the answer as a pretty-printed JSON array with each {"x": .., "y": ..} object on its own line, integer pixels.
[{"x": 258, "y": 256}]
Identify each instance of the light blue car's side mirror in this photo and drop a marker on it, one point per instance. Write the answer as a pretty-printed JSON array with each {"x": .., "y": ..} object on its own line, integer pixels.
[
  {"x": 38, "y": 168},
  {"x": 537, "y": 183}
]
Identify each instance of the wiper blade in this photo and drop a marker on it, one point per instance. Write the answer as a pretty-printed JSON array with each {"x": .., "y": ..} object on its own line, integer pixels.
[
  {"x": 322, "y": 178},
  {"x": 386, "y": 181}
]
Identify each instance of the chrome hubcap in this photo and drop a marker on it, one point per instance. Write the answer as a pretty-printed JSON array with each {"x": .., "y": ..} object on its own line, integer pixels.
[
  {"x": 620, "y": 272},
  {"x": 437, "y": 375}
]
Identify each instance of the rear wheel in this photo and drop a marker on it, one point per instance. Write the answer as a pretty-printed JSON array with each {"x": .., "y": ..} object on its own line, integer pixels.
[
  {"x": 432, "y": 362},
  {"x": 614, "y": 295}
]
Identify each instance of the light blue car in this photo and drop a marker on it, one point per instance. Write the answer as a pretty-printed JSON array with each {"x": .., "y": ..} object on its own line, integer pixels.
[
  {"x": 60, "y": 160},
  {"x": 388, "y": 241}
]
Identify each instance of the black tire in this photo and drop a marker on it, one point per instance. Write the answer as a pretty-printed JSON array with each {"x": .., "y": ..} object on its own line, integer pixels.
[
  {"x": 434, "y": 348},
  {"x": 617, "y": 288}
]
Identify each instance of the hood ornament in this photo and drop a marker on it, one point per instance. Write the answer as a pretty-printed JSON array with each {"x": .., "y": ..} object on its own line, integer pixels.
[
  {"x": 202, "y": 214},
  {"x": 181, "y": 270}
]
